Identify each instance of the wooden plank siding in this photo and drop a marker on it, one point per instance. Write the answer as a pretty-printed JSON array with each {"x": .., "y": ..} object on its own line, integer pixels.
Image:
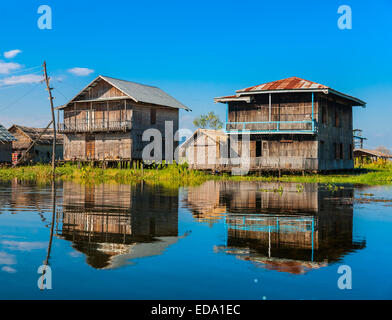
[
  {"x": 117, "y": 125},
  {"x": 284, "y": 107},
  {"x": 5, "y": 152}
]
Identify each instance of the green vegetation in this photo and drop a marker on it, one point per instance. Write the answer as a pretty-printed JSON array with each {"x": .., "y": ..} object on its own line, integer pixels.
[
  {"x": 171, "y": 175},
  {"x": 180, "y": 175},
  {"x": 210, "y": 120}
]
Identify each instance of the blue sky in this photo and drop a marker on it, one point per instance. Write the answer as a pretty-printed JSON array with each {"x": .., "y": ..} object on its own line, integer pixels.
[{"x": 197, "y": 50}]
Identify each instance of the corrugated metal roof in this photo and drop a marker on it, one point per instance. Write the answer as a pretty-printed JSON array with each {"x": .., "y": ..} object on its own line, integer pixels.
[
  {"x": 137, "y": 92},
  {"x": 213, "y": 134},
  {"x": 292, "y": 84},
  {"x": 145, "y": 93},
  {"x": 286, "y": 84},
  {"x": 372, "y": 153},
  {"x": 34, "y": 133},
  {"x": 5, "y": 136}
]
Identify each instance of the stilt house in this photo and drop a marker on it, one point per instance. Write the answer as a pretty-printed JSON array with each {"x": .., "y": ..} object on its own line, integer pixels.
[
  {"x": 37, "y": 142},
  {"x": 106, "y": 120},
  {"x": 293, "y": 124}
]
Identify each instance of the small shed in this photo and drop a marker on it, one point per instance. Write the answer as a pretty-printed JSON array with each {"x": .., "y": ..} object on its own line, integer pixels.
[
  {"x": 6, "y": 140},
  {"x": 42, "y": 149},
  {"x": 202, "y": 150},
  {"x": 360, "y": 155}
]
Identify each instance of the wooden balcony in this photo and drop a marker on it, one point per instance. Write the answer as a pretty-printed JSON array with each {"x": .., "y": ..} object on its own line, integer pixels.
[
  {"x": 102, "y": 126},
  {"x": 270, "y": 127}
]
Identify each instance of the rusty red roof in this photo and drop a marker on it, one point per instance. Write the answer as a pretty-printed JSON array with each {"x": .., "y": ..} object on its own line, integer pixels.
[
  {"x": 292, "y": 84},
  {"x": 227, "y": 97},
  {"x": 286, "y": 84}
]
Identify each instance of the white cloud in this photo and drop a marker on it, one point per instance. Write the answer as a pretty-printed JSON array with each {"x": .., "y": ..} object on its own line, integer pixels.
[
  {"x": 26, "y": 78},
  {"x": 80, "y": 71},
  {"x": 6, "y": 67},
  {"x": 6, "y": 258},
  {"x": 12, "y": 53},
  {"x": 23, "y": 245},
  {"x": 8, "y": 269}
]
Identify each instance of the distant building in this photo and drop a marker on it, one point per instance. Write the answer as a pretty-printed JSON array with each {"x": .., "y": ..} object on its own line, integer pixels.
[
  {"x": 42, "y": 150},
  {"x": 106, "y": 120},
  {"x": 6, "y": 140},
  {"x": 202, "y": 150},
  {"x": 293, "y": 124},
  {"x": 362, "y": 155}
]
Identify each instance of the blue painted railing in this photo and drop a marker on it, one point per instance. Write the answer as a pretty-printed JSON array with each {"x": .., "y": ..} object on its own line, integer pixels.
[{"x": 305, "y": 126}]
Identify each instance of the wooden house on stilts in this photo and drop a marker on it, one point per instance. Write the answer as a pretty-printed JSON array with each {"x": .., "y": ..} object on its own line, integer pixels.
[
  {"x": 35, "y": 144},
  {"x": 293, "y": 124},
  {"x": 106, "y": 120}
]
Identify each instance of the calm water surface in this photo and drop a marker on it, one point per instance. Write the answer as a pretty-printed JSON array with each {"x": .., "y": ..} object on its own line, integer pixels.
[{"x": 221, "y": 240}]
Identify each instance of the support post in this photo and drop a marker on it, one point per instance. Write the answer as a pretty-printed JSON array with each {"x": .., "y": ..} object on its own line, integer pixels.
[
  {"x": 227, "y": 116},
  {"x": 91, "y": 116},
  {"x": 125, "y": 115},
  {"x": 107, "y": 113},
  {"x": 312, "y": 111},
  {"x": 270, "y": 107},
  {"x": 53, "y": 119}
]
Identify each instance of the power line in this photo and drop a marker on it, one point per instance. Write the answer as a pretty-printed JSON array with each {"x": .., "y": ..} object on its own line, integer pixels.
[
  {"x": 21, "y": 71},
  {"x": 61, "y": 93},
  {"x": 21, "y": 97}
]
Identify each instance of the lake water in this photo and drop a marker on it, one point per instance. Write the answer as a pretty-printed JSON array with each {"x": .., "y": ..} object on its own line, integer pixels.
[{"x": 220, "y": 240}]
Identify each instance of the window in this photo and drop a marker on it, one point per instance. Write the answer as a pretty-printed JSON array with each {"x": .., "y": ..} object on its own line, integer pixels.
[
  {"x": 153, "y": 115},
  {"x": 341, "y": 151},
  {"x": 336, "y": 148},
  {"x": 324, "y": 115},
  {"x": 350, "y": 152},
  {"x": 265, "y": 149},
  {"x": 337, "y": 120},
  {"x": 258, "y": 148}
]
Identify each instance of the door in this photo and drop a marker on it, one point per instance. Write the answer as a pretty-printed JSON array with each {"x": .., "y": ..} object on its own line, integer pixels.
[
  {"x": 253, "y": 149},
  {"x": 90, "y": 146}
]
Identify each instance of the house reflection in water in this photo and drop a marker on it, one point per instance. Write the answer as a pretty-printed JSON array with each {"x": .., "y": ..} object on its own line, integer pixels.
[
  {"x": 280, "y": 226},
  {"x": 113, "y": 224}
]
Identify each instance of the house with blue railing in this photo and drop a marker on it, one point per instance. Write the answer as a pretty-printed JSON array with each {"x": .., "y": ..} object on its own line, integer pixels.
[{"x": 293, "y": 124}]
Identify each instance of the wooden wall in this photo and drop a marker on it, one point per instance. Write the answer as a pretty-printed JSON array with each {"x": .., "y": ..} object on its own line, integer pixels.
[
  {"x": 289, "y": 152},
  {"x": 142, "y": 120},
  {"x": 109, "y": 145},
  {"x": 105, "y": 146},
  {"x": 335, "y": 134},
  {"x": 101, "y": 91},
  {"x": 285, "y": 107},
  {"x": 5, "y": 152}
]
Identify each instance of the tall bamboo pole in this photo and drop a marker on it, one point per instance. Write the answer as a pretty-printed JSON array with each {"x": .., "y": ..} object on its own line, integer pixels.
[{"x": 53, "y": 119}]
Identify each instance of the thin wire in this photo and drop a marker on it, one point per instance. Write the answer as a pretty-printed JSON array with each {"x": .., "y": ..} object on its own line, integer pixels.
[
  {"x": 21, "y": 97},
  {"x": 22, "y": 70},
  {"x": 69, "y": 85},
  {"x": 61, "y": 93},
  {"x": 13, "y": 85}
]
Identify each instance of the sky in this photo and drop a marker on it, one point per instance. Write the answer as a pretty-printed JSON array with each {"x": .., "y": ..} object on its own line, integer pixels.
[{"x": 195, "y": 51}]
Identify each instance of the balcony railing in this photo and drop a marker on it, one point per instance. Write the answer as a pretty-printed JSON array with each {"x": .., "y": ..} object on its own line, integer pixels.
[
  {"x": 102, "y": 126},
  {"x": 306, "y": 126}
]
